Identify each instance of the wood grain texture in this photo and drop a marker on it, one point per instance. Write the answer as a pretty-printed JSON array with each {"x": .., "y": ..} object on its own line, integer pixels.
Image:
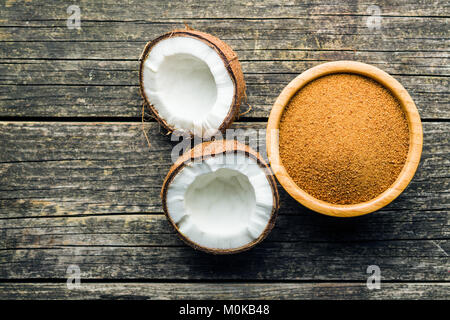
[
  {"x": 135, "y": 10},
  {"x": 59, "y": 169},
  {"x": 154, "y": 230},
  {"x": 87, "y": 193},
  {"x": 326, "y": 32},
  {"x": 85, "y": 63},
  {"x": 228, "y": 291},
  {"x": 310, "y": 261},
  {"x": 73, "y": 88},
  {"x": 81, "y": 100}
]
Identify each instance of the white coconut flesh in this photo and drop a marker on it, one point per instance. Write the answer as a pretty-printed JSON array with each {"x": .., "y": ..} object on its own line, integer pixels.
[
  {"x": 188, "y": 84},
  {"x": 223, "y": 202}
]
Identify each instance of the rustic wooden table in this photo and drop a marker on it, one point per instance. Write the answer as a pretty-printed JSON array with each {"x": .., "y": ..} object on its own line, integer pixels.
[{"x": 79, "y": 186}]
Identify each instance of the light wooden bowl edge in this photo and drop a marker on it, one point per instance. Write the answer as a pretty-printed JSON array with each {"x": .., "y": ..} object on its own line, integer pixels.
[{"x": 415, "y": 135}]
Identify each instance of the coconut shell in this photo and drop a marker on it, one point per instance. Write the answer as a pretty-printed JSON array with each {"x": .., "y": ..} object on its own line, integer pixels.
[
  {"x": 229, "y": 58},
  {"x": 209, "y": 149}
]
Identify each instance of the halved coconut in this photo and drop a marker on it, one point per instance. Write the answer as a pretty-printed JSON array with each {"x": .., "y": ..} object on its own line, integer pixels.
[
  {"x": 192, "y": 81},
  {"x": 221, "y": 197}
]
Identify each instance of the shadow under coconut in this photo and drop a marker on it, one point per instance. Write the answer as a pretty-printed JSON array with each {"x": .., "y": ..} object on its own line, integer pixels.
[{"x": 233, "y": 263}]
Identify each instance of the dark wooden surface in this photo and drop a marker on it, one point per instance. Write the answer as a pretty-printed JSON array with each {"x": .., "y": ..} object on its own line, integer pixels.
[{"x": 79, "y": 185}]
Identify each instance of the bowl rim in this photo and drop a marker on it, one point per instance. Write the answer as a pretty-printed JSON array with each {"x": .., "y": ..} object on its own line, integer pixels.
[{"x": 415, "y": 138}]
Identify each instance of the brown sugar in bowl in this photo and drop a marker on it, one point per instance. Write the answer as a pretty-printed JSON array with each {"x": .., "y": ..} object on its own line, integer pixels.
[{"x": 414, "y": 128}]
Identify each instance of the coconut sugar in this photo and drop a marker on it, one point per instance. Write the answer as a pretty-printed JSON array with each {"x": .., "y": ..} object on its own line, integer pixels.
[{"x": 344, "y": 138}]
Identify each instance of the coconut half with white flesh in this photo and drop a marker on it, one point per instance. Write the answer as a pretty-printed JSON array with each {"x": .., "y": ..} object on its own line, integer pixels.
[
  {"x": 192, "y": 82},
  {"x": 221, "y": 197}
]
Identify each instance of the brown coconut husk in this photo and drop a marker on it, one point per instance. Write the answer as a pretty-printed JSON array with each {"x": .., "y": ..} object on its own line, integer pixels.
[
  {"x": 204, "y": 151},
  {"x": 230, "y": 60}
]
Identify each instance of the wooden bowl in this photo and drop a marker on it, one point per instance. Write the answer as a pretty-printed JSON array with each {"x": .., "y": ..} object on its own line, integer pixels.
[{"x": 415, "y": 139}]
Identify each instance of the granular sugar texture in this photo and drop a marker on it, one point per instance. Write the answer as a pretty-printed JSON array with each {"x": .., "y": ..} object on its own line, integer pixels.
[{"x": 344, "y": 138}]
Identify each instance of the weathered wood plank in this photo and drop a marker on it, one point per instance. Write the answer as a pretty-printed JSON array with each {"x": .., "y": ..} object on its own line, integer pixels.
[
  {"x": 154, "y": 230},
  {"x": 59, "y": 169},
  {"x": 70, "y": 101},
  {"x": 125, "y": 101},
  {"x": 32, "y": 43},
  {"x": 278, "y": 64},
  {"x": 87, "y": 194},
  {"x": 74, "y": 88},
  {"x": 73, "y": 169},
  {"x": 272, "y": 49},
  {"x": 313, "y": 31},
  {"x": 227, "y": 291},
  {"x": 142, "y": 10},
  {"x": 421, "y": 260}
]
